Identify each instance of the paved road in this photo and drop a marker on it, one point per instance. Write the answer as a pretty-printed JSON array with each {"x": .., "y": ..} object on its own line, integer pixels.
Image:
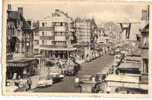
[
  {"x": 96, "y": 65},
  {"x": 67, "y": 85}
]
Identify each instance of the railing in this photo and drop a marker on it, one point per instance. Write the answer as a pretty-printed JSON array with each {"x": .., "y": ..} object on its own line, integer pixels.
[
  {"x": 53, "y": 46},
  {"x": 46, "y": 37}
]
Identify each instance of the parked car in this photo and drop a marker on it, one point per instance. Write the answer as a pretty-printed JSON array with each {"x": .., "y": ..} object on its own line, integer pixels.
[
  {"x": 55, "y": 71},
  {"x": 87, "y": 83},
  {"x": 112, "y": 52},
  {"x": 45, "y": 81},
  {"x": 87, "y": 79},
  {"x": 71, "y": 68},
  {"x": 100, "y": 77}
]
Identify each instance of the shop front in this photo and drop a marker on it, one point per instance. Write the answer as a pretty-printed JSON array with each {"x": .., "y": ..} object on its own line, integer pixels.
[
  {"x": 62, "y": 53},
  {"x": 21, "y": 68}
]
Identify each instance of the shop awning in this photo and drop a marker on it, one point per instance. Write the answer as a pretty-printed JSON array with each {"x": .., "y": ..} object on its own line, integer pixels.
[
  {"x": 132, "y": 59},
  {"x": 129, "y": 65},
  {"x": 122, "y": 78},
  {"x": 21, "y": 62}
]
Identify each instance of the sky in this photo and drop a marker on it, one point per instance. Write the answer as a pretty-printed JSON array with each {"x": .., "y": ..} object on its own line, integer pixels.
[{"x": 102, "y": 12}]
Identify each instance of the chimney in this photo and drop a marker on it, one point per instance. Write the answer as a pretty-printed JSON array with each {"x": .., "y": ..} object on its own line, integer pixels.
[
  {"x": 9, "y": 7},
  {"x": 20, "y": 10}
]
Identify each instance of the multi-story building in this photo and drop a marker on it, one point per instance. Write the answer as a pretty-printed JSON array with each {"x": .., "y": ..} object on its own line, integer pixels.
[
  {"x": 19, "y": 44},
  {"x": 55, "y": 35},
  {"x": 131, "y": 76},
  {"x": 144, "y": 41},
  {"x": 86, "y": 29},
  {"x": 19, "y": 33},
  {"x": 86, "y": 34}
]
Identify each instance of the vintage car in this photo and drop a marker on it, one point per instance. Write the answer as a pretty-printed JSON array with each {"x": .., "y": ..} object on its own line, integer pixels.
[
  {"x": 45, "y": 81},
  {"x": 111, "y": 52},
  {"x": 100, "y": 77},
  {"x": 71, "y": 68},
  {"x": 17, "y": 85},
  {"x": 55, "y": 71},
  {"x": 87, "y": 83}
]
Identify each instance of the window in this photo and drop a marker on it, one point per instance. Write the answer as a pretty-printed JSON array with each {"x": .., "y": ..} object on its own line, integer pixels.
[
  {"x": 42, "y": 33},
  {"x": 43, "y": 24},
  {"x": 60, "y": 43},
  {"x": 36, "y": 42},
  {"x": 42, "y": 41},
  {"x": 61, "y": 23},
  {"x": 36, "y": 51},
  {"x": 36, "y": 34}
]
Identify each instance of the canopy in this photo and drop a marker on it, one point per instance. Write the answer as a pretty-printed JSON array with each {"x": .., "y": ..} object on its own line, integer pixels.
[
  {"x": 122, "y": 78},
  {"x": 130, "y": 65}
]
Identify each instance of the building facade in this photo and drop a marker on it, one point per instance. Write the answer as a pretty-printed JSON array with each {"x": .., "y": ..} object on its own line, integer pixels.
[
  {"x": 86, "y": 29},
  {"x": 19, "y": 33},
  {"x": 55, "y": 35},
  {"x": 144, "y": 41},
  {"x": 19, "y": 46},
  {"x": 86, "y": 32}
]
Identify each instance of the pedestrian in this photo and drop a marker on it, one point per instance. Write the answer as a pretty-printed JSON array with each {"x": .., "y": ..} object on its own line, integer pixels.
[
  {"x": 93, "y": 78},
  {"x": 77, "y": 81},
  {"x": 29, "y": 83}
]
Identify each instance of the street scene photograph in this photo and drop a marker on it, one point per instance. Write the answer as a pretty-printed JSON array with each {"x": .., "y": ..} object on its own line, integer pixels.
[{"x": 76, "y": 47}]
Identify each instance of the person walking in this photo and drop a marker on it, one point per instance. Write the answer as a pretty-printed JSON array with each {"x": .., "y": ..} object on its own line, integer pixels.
[
  {"x": 77, "y": 81},
  {"x": 29, "y": 83}
]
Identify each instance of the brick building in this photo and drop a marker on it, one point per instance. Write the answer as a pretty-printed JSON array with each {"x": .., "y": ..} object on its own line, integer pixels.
[{"x": 19, "y": 46}]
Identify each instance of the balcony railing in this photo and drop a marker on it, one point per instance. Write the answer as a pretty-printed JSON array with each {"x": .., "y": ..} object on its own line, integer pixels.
[
  {"x": 46, "y": 37},
  {"x": 53, "y": 46}
]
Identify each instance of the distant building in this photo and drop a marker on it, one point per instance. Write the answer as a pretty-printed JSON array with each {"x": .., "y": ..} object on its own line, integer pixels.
[
  {"x": 86, "y": 30},
  {"x": 144, "y": 46},
  {"x": 102, "y": 37},
  {"x": 55, "y": 35},
  {"x": 144, "y": 42},
  {"x": 131, "y": 76}
]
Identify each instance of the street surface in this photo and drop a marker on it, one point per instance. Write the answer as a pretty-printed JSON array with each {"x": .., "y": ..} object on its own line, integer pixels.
[{"x": 68, "y": 85}]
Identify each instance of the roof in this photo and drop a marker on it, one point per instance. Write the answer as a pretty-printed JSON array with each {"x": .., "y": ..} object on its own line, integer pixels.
[
  {"x": 122, "y": 78},
  {"x": 15, "y": 15},
  {"x": 130, "y": 65},
  {"x": 145, "y": 29}
]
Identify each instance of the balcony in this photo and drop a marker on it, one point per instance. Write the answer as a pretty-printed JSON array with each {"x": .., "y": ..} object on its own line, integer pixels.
[
  {"x": 60, "y": 28},
  {"x": 60, "y": 38},
  {"x": 46, "y": 37},
  {"x": 47, "y": 46}
]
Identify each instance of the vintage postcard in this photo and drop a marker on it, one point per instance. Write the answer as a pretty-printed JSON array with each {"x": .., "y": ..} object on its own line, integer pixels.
[{"x": 53, "y": 47}]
